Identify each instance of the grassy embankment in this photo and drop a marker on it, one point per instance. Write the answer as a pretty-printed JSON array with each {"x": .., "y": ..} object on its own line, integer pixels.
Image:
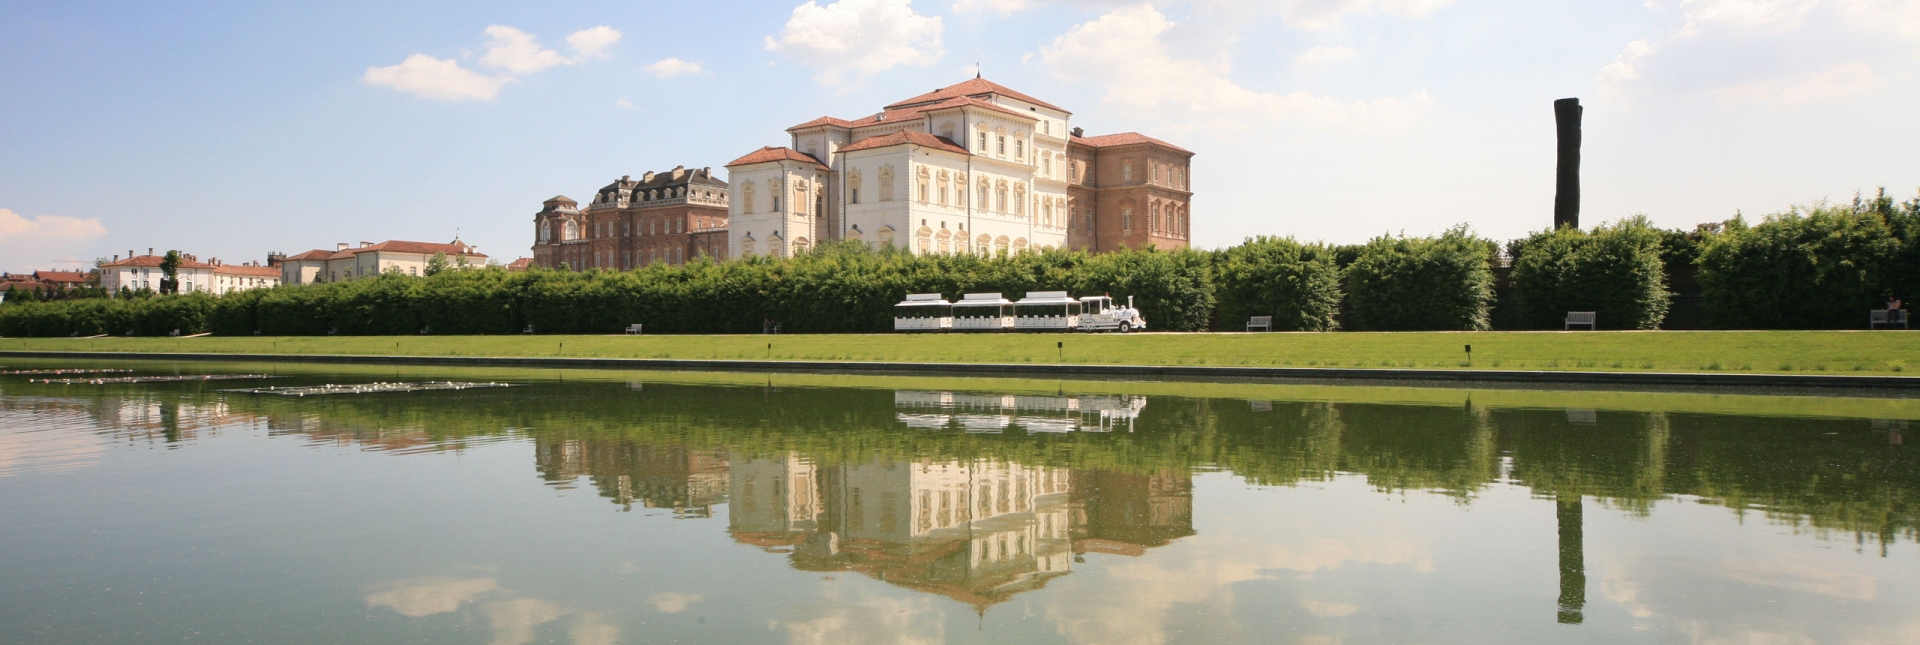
[{"x": 1796, "y": 352}]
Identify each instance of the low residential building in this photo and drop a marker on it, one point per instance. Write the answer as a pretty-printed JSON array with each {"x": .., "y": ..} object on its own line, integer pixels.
[
  {"x": 669, "y": 217},
  {"x": 348, "y": 262},
  {"x": 137, "y": 272},
  {"x": 521, "y": 264}
]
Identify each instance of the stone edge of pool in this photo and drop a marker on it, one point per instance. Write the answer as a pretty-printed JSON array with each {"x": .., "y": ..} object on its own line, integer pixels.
[{"x": 1641, "y": 379}]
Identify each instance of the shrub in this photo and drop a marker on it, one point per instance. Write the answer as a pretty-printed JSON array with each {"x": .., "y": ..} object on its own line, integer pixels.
[
  {"x": 1298, "y": 284},
  {"x": 1422, "y": 284},
  {"x": 1818, "y": 268},
  {"x": 1615, "y": 271}
]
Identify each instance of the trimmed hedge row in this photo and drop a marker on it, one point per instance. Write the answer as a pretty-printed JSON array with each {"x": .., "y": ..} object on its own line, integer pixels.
[{"x": 1814, "y": 269}]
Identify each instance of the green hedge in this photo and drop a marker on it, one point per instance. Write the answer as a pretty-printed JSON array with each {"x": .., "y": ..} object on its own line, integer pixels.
[
  {"x": 1298, "y": 284},
  {"x": 1422, "y": 284},
  {"x": 836, "y": 288},
  {"x": 1616, "y": 271},
  {"x": 1819, "y": 268}
]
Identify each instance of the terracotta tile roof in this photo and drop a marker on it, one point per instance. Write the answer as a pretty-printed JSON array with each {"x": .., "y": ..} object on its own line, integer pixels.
[
  {"x": 1123, "y": 139},
  {"x": 423, "y": 248},
  {"x": 520, "y": 265},
  {"x": 775, "y": 153},
  {"x": 316, "y": 254},
  {"x": 248, "y": 271},
  {"x": 902, "y": 137},
  {"x": 973, "y": 87},
  {"x": 825, "y": 120},
  {"x": 74, "y": 277}
]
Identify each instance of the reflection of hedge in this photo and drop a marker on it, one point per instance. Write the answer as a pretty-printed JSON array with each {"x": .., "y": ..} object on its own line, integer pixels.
[
  {"x": 1298, "y": 284},
  {"x": 1822, "y": 268},
  {"x": 1422, "y": 284},
  {"x": 1615, "y": 271},
  {"x": 1830, "y": 473}
]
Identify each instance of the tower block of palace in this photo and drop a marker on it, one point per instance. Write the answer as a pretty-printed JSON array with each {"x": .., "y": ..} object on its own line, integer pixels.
[{"x": 971, "y": 168}]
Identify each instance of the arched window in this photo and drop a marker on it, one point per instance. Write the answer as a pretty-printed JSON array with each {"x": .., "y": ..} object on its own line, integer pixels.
[
  {"x": 945, "y": 241},
  {"x": 1126, "y": 219},
  {"x": 1000, "y": 197},
  {"x": 886, "y": 183},
  {"x": 1046, "y": 212},
  {"x": 984, "y": 187},
  {"x": 746, "y": 198},
  {"x": 546, "y": 232},
  {"x": 922, "y": 185},
  {"x": 570, "y": 232},
  {"x": 884, "y": 237},
  {"x": 1020, "y": 199}
]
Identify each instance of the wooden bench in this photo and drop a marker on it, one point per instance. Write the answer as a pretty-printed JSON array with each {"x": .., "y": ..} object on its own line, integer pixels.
[
  {"x": 634, "y": 328},
  {"x": 528, "y": 330},
  {"x": 1887, "y": 318},
  {"x": 1581, "y": 318},
  {"x": 1264, "y": 323}
]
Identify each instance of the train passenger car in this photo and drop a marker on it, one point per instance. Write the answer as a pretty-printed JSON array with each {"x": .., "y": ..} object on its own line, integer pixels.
[
  {"x": 1046, "y": 311},
  {"x": 922, "y": 312},
  {"x": 982, "y": 312}
]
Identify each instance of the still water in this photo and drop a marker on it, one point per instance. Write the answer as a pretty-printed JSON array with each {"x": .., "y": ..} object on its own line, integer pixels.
[{"x": 634, "y": 507}]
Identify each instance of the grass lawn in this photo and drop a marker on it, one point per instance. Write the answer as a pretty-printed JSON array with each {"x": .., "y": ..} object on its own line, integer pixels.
[{"x": 1797, "y": 352}]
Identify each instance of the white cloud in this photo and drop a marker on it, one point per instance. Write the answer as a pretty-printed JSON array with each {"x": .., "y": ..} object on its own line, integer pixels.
[
  {"x": 429, "y": 596},
  {"x": 623, "y": 103},
  {"x": 1325, "y": 54},
  {"x": 1899, "y": 16},
  {"x": 1778, "y": 14},
  {"x": 514, "y": 51},
  {"x": 1191, "y": 93},
  {"x": 673, "y": 603},
  {"x": 428, "y": 77},
  {"x": 859, "y": 38},
  {"x": 1622, "y": 69},
  {"x": 1003, "y": 8},
  {"x": 593, "y": 43},
  {"x": 27, "y": 241},
  {"x": 671, "y": 67},
  {"x": 1318, "y": 14},
  {"x": 517, "y": 52},
  {"x": 517, "y": 621},
  {"x": 1328, "y": 609},
  {"x": 48, "y": 228},
  {"x": 1835, "y": 82}
]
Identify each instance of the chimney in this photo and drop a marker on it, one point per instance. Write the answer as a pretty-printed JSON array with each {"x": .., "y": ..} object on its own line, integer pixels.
[
  {"x": 276, "y": 259},
  {"x": 116, "y": 257},
  {"x": 1566, "y": 197},
  {"x": 1078, "y": 133},
  {"x": 365, "y": 244},
  {"x": 679, "y": 171},
  {"x": 340, "y": 247},
  {"x": 149, "y": 250},
  {"x": 647, "y": 177}
]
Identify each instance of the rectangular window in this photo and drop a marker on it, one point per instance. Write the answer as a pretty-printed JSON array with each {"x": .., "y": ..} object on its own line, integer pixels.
[
  {"x": 1002, "y": 139},
  {"x": 856, "y": 196},
  {"x": 1126, "y": 171},
  {"x": 1019, "y": 149},
  {"x": 983, "y": 143}
]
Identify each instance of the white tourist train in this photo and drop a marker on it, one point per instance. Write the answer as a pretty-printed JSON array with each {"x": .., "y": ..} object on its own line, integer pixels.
[
  {"x": 1101, "y": 313},
  {"x": 923, "y": 312},
  {"x": 1046, "y": 311},
  {"x": 982, "y": 312},
  {"x": 1038, "y": 311}
]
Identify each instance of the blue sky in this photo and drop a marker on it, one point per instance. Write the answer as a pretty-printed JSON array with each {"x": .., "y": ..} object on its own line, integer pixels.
[{"x": 235, "y": 129}]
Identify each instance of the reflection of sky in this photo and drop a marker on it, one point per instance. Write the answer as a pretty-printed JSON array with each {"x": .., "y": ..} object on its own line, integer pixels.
[{"x": 246, "y": 537}]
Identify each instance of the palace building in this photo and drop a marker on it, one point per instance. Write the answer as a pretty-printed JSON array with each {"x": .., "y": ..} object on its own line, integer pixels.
[
  {"x": 669, "y": 217},
  {"x": 971, "y": 168}
]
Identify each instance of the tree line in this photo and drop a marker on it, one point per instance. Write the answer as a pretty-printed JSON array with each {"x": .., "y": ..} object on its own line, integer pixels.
[{"x": 1816, "y": 267}]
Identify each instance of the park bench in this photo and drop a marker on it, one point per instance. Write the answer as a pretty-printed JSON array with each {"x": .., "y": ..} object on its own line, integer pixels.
[
  {"x": 528, "y": 330},
  {"x": 1887, "y": 318},
  {"x": 1581, "y": 318},
  {"x": 634, "y": 328},
  {"x": 1264, "y": 323}
]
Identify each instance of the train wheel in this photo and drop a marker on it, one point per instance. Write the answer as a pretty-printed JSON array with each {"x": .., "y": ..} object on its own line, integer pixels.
[{"x": 1126, "y": 328}]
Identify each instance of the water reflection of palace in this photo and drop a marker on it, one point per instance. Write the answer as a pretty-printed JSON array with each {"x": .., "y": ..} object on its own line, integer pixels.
[{"x": 997, "y": 412}]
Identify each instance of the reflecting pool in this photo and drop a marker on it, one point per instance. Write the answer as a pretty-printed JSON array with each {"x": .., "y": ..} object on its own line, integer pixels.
[{"x": 646, "y": 507}]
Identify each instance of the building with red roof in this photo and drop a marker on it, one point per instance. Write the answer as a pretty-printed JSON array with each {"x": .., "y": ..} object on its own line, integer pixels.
[
  {"x": 214, "y": 276},
  {"x": 348, "y": 262},
  {"x": 974, "y": 167}
]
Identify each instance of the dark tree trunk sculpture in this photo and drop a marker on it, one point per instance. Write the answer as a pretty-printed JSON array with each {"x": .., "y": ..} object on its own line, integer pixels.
[{"x": 1566, "y": 199}]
